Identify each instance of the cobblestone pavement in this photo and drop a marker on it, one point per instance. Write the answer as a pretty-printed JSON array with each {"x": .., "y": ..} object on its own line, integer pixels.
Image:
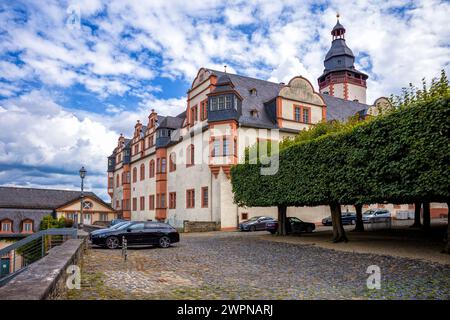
[{"x": 233, "y": 265}]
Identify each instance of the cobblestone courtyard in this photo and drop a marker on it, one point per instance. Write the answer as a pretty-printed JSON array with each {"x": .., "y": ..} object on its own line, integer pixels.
[{"x": 231, "y": 265}]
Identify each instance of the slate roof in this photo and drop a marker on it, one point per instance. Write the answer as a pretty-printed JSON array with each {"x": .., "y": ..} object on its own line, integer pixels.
[
  {"x": 265, "y": 91},
  {"x": 171, "y": 122},
  {"x": 32, "y": 198},
  {"x": 18, "y": 215},
  {"x": 341, "y": 109}
]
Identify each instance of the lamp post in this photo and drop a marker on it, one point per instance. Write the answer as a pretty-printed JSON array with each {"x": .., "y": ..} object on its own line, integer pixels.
[{"x": 82, "y": 176}]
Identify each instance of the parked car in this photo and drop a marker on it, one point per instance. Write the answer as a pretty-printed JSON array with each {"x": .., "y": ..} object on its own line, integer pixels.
[
  {"x": 294, "y": 225},
  {"x": 136, "y": 233},
  {"x": 255, "y": 223},
  {"x": 347, "y": 218},
  {"x": 372, "y": 215}
]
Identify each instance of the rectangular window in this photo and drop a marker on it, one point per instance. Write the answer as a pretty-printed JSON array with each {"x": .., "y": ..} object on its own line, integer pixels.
[
  {"x": 172, "y": 200},
  {"x": 221, "y": 105},
  {"x": 150, "y": 141},
  {"x": 163, "y": 200},
  {"x": 297, "y": 113},
  {"x": 190, "y": 198},
  {"x": 213, "y": 104},
  {"x": 216, "y": 148},
  {"x": 163, "y": 165},
  {"x": 134, "y": 204},
  {"x": 103, "y": 217},
  {"x": 27, "y": 227},
  {"x": 228, "y": 101},
  {"x": 204, "y": 110},
  {"x": 205, "y": 197},
  {"x": 6, "y": 226},
  {"x": 151, "y": 202},
  {"x": 235, "y": 146},
  {"x": 117, "y": 204},
  {"x": 142, "y": 203},
  {"x": 226, "y": 146},
  {"x": 127, "y": 204},
  {"x": 306, "y": 115}
]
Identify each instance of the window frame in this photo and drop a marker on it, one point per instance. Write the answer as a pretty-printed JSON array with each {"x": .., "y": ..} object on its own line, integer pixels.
[
  {"x": 190, "y": 198},
  {"x": 204, "y": 203}
]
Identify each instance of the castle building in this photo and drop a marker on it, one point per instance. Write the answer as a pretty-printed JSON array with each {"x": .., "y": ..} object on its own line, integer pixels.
[{"x": 177, "y": 168}]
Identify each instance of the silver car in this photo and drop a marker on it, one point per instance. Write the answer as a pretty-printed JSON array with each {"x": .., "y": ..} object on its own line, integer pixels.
[{"x": 372, "y": 215}]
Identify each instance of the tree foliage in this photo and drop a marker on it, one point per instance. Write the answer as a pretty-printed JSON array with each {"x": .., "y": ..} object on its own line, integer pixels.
[{"x": 400, "y": 157}]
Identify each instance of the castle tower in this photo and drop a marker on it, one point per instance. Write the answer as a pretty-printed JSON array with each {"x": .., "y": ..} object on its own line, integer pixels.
[{"x": 340, "y": 78}]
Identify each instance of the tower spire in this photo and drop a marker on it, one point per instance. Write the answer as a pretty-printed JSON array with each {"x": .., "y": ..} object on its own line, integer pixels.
[{"x": 338, "y": 30}]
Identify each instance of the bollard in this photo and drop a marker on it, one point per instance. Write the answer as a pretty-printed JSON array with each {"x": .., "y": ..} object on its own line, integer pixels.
[{"x": 124, "y": 249}]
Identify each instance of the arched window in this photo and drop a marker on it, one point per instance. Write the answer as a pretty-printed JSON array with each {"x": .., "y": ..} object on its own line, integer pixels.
[
  {"x": 151, "y": 170},
  {"x": 134, "y": 174},
  {"x": 190, "y": 160},
  {"x": 27, "y": 226},
  {"x": 142, "y": 176},
  {"x": 6, "y": 226},
  {"x": 172, "y": 162}
]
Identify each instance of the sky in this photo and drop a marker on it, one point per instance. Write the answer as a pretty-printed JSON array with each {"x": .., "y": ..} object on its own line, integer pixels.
[{"x": 75, "y": 74}]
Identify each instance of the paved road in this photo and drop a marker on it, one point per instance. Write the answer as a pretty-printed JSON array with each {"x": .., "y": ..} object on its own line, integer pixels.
[{"x": 234, "y": 265}]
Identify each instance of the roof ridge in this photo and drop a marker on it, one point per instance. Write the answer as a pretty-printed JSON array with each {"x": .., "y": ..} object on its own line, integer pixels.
[
  {"x": 242, "y": 76},
  {"x": 33, "y": 188}
]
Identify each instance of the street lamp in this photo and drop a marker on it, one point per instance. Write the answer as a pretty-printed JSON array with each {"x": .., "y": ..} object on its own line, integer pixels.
[{"x": 82, "y": 176}]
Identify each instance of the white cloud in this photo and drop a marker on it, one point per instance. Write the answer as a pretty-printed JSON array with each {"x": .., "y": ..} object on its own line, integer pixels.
[{"x": 132, "y": 42}]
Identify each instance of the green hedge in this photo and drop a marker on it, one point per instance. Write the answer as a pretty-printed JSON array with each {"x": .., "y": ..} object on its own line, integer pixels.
[{"x": 401, "y": 157}]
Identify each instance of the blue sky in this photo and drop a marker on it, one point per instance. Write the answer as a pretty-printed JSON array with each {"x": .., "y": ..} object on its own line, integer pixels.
[{"x": 74, "y": 74}]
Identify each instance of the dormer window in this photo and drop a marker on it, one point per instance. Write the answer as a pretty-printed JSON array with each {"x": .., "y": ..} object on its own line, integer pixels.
[
  {"x": 254, "y": 113},
  {"x": 253, "y": 91}
]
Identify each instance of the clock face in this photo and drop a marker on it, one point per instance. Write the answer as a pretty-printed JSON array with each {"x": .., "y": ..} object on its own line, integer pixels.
[{"x": 87, "y": 205}]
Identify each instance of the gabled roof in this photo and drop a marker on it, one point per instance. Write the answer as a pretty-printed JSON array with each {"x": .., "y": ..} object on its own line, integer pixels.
[{"x": 33, "y": 198}]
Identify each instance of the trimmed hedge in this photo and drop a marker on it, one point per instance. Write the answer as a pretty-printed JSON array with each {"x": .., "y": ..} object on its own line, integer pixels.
[{"x": 401, "y": 157}]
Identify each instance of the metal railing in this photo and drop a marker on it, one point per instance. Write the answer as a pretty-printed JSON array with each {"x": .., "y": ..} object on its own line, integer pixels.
[{"x": 16, "y": 257}]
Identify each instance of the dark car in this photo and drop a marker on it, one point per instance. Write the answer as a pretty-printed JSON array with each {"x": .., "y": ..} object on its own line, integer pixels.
[
  {"x": 255, "y": 224},
  {"x": 294, "y": 225},
  {"x": 347, "y": 218},
  {"x": 137, "y": 233}
]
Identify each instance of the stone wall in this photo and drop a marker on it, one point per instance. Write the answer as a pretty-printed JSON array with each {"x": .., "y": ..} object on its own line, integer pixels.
[
  {"x": 46, "y": 278},
  {"x": 201, "y": 226}
]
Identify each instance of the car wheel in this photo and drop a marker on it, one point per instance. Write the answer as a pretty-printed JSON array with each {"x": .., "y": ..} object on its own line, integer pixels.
[
  {"x": 164, "y": 242},
  {"x": 112, "y": 242},
  {"x": 309, "y": 229},
  {"x": 252, "y": 228}
]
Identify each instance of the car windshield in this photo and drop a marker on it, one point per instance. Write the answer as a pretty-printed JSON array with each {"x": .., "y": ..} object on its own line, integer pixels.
[
  {"x": 368, "y": 212},
  {"x": 295, "y": 219},
  {"x": 253, "y": 219}
]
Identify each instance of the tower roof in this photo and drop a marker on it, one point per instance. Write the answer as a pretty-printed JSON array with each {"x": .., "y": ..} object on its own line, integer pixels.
[{"x": 340, "y": 57}]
